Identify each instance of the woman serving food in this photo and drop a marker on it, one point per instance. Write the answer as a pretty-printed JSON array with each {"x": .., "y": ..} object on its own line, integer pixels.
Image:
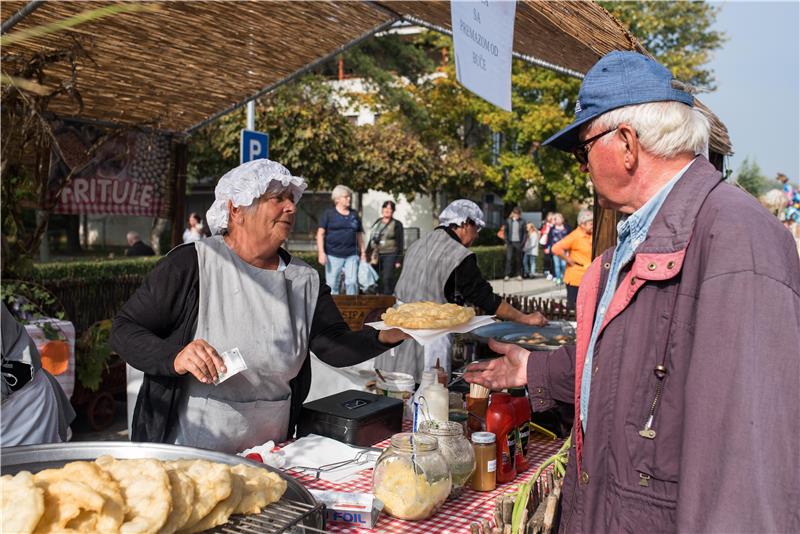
[
  {"x": 236, "y": 290},
  {"x": 440, "y": 268}
]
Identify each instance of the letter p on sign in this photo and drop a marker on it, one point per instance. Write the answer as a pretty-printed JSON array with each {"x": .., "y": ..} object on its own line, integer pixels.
[{"x": 253, "y": 145}]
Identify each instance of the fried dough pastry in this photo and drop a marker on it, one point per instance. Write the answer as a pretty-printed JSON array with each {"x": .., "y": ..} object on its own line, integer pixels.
[
  {"x": 427, "y": 315},
  {"x": 223, "y": 510},
  {"x": 212, "y": 482},
  {"x": 261, "y": 488},
  {"x": 21, "y": 503},
  {"x": 182, "y": 489},
  {"x": 79, "y": 497},
  {"x": 146, "y": 489}
]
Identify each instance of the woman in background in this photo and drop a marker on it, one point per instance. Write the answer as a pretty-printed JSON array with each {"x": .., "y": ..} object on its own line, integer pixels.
[
  {"x": 531, "y": 251},
  {"x": 576, "y": 251},
  {"x": 386, "y": 239},
  {"x": 340, "y": 241},
  {"x": 558, "y": 232}
]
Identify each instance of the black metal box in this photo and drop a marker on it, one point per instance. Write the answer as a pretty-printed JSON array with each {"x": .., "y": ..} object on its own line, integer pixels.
[{"x": 354, "y": 417}]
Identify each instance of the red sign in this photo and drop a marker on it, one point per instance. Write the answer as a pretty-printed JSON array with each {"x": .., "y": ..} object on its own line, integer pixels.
[{"x": 128, "y": 174}]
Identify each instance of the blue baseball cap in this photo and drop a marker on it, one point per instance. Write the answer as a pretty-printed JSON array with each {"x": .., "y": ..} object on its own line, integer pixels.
[{"x": 619, "y": 79}]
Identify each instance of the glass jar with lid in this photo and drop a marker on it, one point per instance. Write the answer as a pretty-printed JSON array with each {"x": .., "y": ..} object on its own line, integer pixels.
[
  {"x": 411, "y": 477},
  {"x": 455, "y": 448}
]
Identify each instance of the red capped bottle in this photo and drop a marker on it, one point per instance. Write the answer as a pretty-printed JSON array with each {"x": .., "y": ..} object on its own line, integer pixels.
[
  {"x": 522, "y": 417},
  {"x": 501, "y": 421}
]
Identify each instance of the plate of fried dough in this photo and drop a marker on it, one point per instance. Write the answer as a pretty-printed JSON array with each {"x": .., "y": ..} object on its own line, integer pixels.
[
  {"x": 428, "y": 321},
  {"x": 137, "y": 488}
]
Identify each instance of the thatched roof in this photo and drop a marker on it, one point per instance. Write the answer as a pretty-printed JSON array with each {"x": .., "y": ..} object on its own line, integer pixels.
[{"x": 188, "y": 62}]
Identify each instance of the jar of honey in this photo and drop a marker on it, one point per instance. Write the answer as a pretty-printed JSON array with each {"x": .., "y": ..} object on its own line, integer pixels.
[{"x": 485, "y": 447}]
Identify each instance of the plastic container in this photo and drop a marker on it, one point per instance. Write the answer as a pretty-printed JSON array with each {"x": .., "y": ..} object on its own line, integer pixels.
[
  {"x": 398, "y": 386},
  {"x": 434, "y": 403},
  {"x": 484, "y": 445},
  {"x": 522, "y": 415},
  {"x": 411, "y": 477},
  {"x": 476, "y": 406},
  {"x": 428, "y": 377},
  {"x": 455, "y": 448},
  {"x": 501, "y": 422}
]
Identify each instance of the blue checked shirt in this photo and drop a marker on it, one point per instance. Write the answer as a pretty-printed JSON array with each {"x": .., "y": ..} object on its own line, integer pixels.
[{"x": 631, "y": 232}]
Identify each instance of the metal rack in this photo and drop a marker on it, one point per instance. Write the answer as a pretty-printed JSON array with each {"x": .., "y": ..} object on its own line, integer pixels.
[{"x": 284, "y": 515}]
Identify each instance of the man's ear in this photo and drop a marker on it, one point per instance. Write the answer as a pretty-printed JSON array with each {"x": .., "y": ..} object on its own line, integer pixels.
[{"x": 631, "y": 140}]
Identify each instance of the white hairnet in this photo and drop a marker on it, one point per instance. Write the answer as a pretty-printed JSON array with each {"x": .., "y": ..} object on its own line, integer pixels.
[
  {"x": 458, "y": 211},
  {"x": 246, "y": 183}
]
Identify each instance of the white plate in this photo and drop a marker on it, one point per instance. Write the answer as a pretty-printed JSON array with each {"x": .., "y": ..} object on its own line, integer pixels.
[{"x": 427, "y": 336}]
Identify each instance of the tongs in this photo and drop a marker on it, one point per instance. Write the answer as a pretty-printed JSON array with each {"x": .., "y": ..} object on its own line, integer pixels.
[{"x": 361, "y": 458}]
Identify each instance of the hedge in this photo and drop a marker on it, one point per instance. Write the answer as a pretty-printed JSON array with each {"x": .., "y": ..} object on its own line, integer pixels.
[{"x": 94, "y": 290}]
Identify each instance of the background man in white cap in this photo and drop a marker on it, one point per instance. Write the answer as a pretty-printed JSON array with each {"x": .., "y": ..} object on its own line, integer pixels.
[
  {"x": 686, "y": 367},
  {"x": 440, "y": 268}
]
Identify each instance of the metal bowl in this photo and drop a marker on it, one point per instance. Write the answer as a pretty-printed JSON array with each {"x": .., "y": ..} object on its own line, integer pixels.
[{"x": 35, "y": 458}]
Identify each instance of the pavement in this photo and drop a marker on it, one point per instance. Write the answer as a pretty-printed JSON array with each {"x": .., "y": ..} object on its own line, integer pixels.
[{"x": 539, "y": 287}]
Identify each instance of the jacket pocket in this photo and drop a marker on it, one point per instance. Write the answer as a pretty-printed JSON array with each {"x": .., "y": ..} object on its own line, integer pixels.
[
  {"x": 653, "y": 426},
  {"x": 635, "y": 512}
]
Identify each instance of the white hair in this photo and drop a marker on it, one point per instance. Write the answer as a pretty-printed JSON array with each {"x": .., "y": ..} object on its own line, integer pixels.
[
  {"x": 665, "y": 129},
  {"x": 341, "y": 191},
  {"x": 585, "y": 216}
]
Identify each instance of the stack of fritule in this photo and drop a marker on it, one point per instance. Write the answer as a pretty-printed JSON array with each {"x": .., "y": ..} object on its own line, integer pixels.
[{"x": 141, "y": 496}]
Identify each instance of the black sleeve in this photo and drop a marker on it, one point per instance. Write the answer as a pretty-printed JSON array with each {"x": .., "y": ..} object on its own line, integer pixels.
[
  {"x": 399, "y": 237},
  {"x": 467, "y": 280},
  {"x": 153, "y": 326},
  {"x": 333, "y": 342}
]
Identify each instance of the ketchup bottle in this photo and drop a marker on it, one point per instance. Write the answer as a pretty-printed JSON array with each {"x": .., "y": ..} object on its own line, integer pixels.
[
  {"x": 501, "y": 422},
  {"x": 522, "y": 418}
]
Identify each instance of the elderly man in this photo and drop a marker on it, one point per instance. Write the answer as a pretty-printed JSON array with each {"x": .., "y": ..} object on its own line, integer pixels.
[
  {"x": 686, "y": 367},
  {"x": 137, "y": 247}
]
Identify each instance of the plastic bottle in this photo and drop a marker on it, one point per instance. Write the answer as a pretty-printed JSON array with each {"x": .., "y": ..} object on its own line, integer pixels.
[
  {"x": 441, "y": 374},
  {"x": 434, "y": 402},
  {"x": 428, "y": 377},
  {"x": 501, "y": 422},
  {"x": 522, "y": 418}
]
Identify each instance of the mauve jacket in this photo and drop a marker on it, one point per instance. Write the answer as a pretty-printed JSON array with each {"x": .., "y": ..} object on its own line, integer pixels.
[{"x": 713, "y": 293}]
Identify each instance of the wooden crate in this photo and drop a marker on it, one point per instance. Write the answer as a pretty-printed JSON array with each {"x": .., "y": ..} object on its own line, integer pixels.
[{"x": 358, "y": 309}]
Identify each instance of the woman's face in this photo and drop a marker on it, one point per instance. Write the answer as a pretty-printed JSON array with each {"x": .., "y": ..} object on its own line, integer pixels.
[
  {"x": 587, "y": 226},
  {"x": 387, "y": 212},
  {"x": 271, "y": 221},
  {"x": 343, "y": 201}
]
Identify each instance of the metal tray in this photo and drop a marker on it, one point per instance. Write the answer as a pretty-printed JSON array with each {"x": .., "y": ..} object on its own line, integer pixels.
[
  {"x": 296, "y": 507},
  {"x": 509, "y": 332}
]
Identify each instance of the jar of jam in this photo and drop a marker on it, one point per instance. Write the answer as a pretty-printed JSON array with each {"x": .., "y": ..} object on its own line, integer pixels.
[{"x": 485, "y": 447}]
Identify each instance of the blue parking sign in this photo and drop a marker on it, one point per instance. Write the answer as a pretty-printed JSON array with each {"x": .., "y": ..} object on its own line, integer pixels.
[{"x": 253, "y": 145}]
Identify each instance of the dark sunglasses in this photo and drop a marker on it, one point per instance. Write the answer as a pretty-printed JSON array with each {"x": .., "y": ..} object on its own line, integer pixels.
[{"x": 581, "y": 150}]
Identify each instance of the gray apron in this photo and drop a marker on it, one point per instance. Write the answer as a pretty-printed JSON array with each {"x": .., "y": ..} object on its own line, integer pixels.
[
  {"x": 427, "y": 265},
  {"x": 267, "y": 315}
]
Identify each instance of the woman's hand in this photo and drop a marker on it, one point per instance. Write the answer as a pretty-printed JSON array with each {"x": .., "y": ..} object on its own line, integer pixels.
[
  {"x": 322, "y": 258},
  {"x": 200, "y": 359},
  {"x": 390, "y": 337},
  {"x": 507, "y": 372},
  {"x": 534, "y": 319},
  {"x": 569, "y": 260}
]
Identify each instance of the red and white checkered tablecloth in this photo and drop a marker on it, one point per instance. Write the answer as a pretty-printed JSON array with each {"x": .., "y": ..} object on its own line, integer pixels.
[{"x": 454, "y": 516}]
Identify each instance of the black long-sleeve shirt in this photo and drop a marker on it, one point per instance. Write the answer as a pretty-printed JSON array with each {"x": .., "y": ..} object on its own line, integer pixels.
[
  {"x": 160, "y": 319},
  {"x": 467, "y": 281}
]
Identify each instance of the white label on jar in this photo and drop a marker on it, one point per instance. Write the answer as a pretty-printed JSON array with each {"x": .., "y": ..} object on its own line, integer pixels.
[{"x": 491, "y": 466}]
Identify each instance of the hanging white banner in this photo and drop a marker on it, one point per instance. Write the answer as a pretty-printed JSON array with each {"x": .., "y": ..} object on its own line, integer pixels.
[{"x": 483, "y": 38}]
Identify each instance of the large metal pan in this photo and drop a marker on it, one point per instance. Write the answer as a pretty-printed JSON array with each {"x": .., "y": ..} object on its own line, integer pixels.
[{"x": 297, "y": 506}]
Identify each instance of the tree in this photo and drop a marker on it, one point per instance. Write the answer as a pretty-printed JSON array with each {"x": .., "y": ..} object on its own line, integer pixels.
[
  {"x": 678, "y": 34},
  {"x": 751, "y": 179}
]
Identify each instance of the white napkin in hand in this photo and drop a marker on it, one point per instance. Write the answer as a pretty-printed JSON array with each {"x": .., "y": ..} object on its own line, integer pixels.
[
  {"x": 427, "y": 336},
  {"x": 316, "y": 451}
]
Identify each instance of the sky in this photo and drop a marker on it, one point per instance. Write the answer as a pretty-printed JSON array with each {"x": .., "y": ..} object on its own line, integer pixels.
[{"x": 757, "y": 74}]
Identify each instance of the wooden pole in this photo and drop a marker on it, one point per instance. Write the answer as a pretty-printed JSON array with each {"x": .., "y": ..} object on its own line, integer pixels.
[
  {"x": 605, "y": 229},
  {"x": 180, "y": 155}
]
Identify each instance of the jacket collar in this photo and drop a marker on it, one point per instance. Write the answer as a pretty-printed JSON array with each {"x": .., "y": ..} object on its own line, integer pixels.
[{"x": 672, "y": 227}]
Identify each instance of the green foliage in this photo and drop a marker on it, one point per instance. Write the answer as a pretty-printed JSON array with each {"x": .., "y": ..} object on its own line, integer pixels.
[
  {"x": 93, "y": 351},
  {"x": 28, "y": 299},
  {"x": 93, "y": 269},
  {"x": 678, "y": 34},
  {"x": 751, "y": 179}
]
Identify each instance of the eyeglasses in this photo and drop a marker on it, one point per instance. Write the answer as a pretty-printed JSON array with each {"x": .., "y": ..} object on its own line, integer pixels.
[{"x": 581, "y": 150}]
